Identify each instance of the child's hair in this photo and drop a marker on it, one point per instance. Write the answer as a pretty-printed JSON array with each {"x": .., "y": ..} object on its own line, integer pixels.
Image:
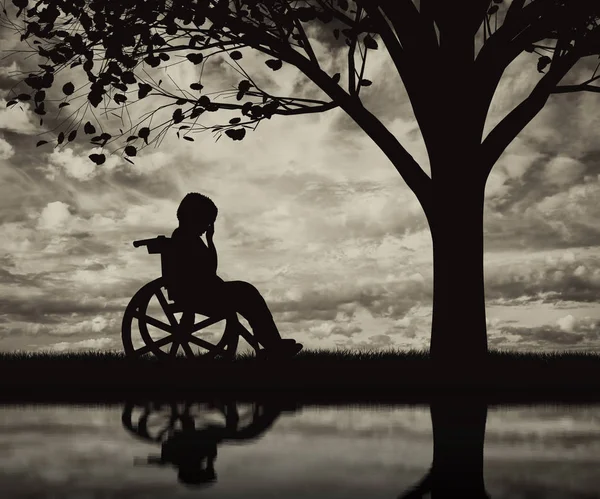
[{"x": 196, "y": 207}]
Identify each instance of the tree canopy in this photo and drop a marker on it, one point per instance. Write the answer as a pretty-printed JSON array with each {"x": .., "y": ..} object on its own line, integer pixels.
[{"x": 113, "y": 42}]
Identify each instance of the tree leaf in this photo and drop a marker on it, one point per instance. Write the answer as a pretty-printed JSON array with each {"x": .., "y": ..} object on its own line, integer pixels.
[
  {"x": 89, "y": 128},
  {"x": 130, "y": 151},
  {"x": 196, "y": 86},
  {"x": 370, "y": 42},
  {"x": 131, "y": 137},
  {"x": 236, "y": 55},
  {"x": 543, "y": 62},
  {"x": 177, "y": 115},
  {"x": 97, "y": 158},
  {"x": 119, "y": 98},
  {"x": 63, "y": 104},
  {"x": 24, "y": 97},
  {"x": 195, "y": 58},
  {"x": 41, "y": 143},
  {"x": 143, "y": 133},
  {"x": 365, "y": 83},
  {"x": 152, "y": 61},
  {"x": 95, "y": 98},
  {"x": 492, "y": 10},
  {"x": 274, "y": 64},
  {"x": 196, "y": 112},
  {"x": 188, "y": 138},
  {"x": 68, "y": 88},
  {"x": 236, "y": 133},
  {"x": 61, "y": 138},
  {"x": 128, "y": 78},
  {"x": 144, "y": 90},
  {"x": 128, "y": 160},
  {"x": 336, "y": 77},
  {"x": 72, "y": 136}
]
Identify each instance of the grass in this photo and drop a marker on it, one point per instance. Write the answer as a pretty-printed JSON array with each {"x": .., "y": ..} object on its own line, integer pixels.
[{"x": 336, "y": 376}]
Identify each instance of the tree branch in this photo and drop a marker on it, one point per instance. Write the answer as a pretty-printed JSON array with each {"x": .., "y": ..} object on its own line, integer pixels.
[
  {"x": 306, "y": 43},
  {"x": 564, "y": 89},
  {"x": 407, "y": 167},
  {"x": 409, "y": 25},
  {"x": 505, "y": 132}
]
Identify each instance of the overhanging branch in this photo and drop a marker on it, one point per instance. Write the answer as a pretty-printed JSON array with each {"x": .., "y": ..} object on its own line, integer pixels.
[
  {"x": 564, "y": 89},
  {"x": 505, "y": 132}
]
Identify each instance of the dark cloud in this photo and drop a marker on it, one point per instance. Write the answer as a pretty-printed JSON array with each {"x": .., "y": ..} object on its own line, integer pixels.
[
  {"x": 583, "y": 333},
  {"x": 565, "y": 281},
  {"x": 50, "y": 308},
  {"x": 392, "y": 300}
]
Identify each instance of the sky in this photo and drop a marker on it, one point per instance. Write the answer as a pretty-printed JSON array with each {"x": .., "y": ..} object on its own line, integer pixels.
[{"x": 310, "y": 211}]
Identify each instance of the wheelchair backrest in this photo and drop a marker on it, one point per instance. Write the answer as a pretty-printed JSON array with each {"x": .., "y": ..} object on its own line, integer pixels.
[{"x": 161, "y": 245}]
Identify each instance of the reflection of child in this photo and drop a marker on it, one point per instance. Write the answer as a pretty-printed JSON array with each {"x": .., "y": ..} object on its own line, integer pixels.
[
  {"x": 194, "y": 451},
  {"x": 194, "y": 278}
]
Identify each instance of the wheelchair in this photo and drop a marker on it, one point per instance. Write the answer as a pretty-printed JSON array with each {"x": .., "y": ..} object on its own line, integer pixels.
[{"x": 155, "y": 324}]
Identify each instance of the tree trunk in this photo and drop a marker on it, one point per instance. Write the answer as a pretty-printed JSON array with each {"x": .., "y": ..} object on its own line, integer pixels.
[
  {"x": 458, "y": 334},
  {"x": 458, "y": 441}
]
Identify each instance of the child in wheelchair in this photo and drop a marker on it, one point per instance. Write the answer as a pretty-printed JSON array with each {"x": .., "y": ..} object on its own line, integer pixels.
[{"x": 194, "y": 276}]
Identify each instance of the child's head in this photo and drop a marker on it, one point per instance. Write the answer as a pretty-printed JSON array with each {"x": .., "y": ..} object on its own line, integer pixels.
[{"x": 196, "y": 211}]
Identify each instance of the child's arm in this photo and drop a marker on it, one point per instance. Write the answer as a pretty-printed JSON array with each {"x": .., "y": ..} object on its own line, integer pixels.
[{"x": 211, "y": 246}]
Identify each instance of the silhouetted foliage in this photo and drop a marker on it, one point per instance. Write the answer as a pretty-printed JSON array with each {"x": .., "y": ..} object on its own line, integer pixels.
[{"x": 450, "y": 60}]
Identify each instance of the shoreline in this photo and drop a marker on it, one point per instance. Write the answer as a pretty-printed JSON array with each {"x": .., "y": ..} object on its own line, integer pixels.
[{"x": 311, "y": 377}]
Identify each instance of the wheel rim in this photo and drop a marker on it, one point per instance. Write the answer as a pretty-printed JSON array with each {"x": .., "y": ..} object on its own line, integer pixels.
[
  {"x": 155, "y": 422},
  {"x": 166, "y": 329}
]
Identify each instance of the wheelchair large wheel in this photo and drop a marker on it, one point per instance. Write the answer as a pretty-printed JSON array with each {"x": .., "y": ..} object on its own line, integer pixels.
[
  {"x": 155, "y": 422},
  {"x": 152, "y": 325}
]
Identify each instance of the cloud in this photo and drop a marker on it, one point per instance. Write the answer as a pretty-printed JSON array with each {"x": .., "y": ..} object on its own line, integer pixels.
[
  {"x": 568, "y": 333},
  {"x": 549, "y": 276},
  {"x": 54, "y": 216},
  {"x": 18, "y": 118},
  {"x": 91, "y": 344},
  {"x": 566, "y": 323},
  {"x": 6, "y": 150}
]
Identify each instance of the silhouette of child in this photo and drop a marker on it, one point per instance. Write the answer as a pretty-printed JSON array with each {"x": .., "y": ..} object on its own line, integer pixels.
[{"x": 195, "y": 280}]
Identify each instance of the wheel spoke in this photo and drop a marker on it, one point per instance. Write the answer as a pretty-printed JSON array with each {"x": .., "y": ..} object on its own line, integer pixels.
[
  {"x": 202, "y": 343},
  {"x": 165, "y": 306},
  {"x": 187, "y": 349},
  {"x": 164, "y": 341},
  {"x": 206, "y": 323},
  {"x": 154, "y": 322},
  {"x": 174, "y": 348},
  {"x": 247, "y": 336}
]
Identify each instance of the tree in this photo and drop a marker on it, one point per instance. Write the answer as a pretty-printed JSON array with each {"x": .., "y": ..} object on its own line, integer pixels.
[
  {"x": 458, "y": 439},
  {"x": 112, "y": 41}
]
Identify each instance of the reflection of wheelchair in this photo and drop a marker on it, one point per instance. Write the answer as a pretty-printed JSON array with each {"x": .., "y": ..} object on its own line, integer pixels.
[
  {"x": 190, "y": 433},
  {"x": 164, "y": 325}
]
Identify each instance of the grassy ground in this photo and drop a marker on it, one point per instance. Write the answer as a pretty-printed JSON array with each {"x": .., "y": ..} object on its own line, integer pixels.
[{"x": 336, "y": 376}]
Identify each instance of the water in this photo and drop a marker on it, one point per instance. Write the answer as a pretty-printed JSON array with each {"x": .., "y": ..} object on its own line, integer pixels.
[{"x": 305, "y": 452}]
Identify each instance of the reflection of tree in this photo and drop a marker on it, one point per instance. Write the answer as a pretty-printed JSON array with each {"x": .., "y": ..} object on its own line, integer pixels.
[
  {"x": 193, "y": 448},
  {"x": 458, "y": 439}
]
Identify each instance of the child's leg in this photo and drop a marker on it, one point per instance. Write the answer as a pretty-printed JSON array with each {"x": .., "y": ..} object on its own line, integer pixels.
[{"x": 247, "y": 300}]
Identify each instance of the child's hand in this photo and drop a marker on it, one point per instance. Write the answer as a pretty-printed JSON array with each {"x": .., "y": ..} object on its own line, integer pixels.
[{"x": 210, "y": 231}]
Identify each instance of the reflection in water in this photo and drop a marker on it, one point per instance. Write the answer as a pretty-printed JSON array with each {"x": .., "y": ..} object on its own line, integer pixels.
[
  {"x": 189, "y": 436},
  {"x": 458, "y": 440},
  {"x": 189, "y": 441},
  {"x": 334, "y": 452}
]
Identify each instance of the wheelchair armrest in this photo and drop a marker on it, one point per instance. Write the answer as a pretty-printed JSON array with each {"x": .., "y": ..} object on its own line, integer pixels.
[{"x": 158, "y": 244}]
